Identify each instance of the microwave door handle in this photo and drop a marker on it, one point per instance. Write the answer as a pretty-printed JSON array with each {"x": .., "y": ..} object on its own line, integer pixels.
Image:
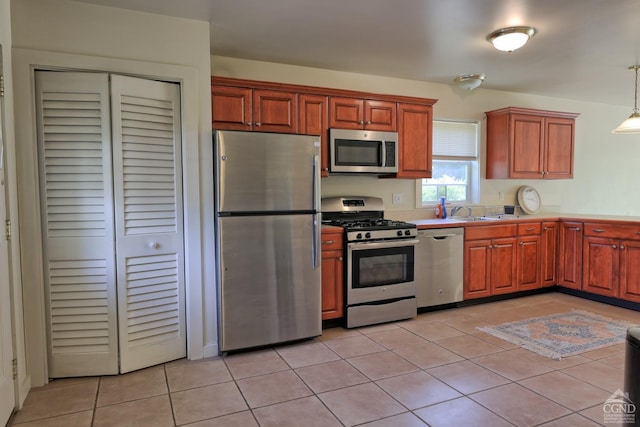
[{"x": 383, "y": 154}]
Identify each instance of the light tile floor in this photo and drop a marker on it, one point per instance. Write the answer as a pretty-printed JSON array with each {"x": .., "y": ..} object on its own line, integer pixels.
[{"x": 435, "y": 370}]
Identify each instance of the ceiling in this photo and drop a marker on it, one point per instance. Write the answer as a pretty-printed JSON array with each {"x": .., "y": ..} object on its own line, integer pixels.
[{"x": 582, "y": 49}]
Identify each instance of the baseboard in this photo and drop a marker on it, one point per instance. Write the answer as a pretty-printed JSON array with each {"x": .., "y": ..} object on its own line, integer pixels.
[{"x": 600, "y": 298}]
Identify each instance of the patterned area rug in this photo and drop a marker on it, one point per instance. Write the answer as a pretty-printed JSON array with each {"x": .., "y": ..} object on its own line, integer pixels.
[{"x": 561, "y": 335}]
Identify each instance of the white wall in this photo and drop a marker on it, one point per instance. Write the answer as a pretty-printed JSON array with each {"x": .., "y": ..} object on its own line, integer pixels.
[
  {"x": 62, "y": 34},
  {"x": 605, "y": 164}
]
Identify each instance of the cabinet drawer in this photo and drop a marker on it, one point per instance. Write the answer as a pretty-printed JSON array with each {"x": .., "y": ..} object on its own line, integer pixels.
[
  {"x": 529, "y": 229},
  {"x": 490, "y": 231},
  {"x": 612, "y": 231},
  {"x": 331, "y": 239}
]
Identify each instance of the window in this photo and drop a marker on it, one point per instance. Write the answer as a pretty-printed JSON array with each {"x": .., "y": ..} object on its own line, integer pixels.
[{"x": 455, "y": 164}]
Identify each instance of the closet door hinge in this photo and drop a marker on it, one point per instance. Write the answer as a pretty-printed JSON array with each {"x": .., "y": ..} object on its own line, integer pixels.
[
  {"x": 14, "y": 365},
  {"x": 1, "y": 85},
  {"x": 7, "y": 229}
]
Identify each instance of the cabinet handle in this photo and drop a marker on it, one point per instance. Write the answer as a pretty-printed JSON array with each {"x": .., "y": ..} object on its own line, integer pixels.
[
  {"x": 530, "y": 229},
  {"x": 249, "y": 123},
  {"x": 521, "y": 243},
  {"x": 621, "y": 247},
  {"x": 545, "y": 228},
  {"x": 340, "y": 258},
  {"x": 599, "y": 230},
  {"x": 577, "y": 229},
  {"x": 614, "y": 246},
  {"x": 361, "y": 122},
  {"x": 369, "y": 122},
  {"x": 258, "y": 124},
  {"x": 328, "y": 242}
]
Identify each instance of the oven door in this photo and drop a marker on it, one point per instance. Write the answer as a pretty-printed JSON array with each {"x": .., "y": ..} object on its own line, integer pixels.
[{"x": 380, "y": 270}]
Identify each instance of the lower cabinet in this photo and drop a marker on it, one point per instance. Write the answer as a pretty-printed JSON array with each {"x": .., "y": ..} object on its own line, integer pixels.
[
  {"x": 570, "y": 254},
  {"x": 529, "y": 256},
  {"x": 549, "y": 257},
  {"x": 611, "y": 260},
  {"x": 490, "y": 261},
  {"x": 332, "y": 274}
]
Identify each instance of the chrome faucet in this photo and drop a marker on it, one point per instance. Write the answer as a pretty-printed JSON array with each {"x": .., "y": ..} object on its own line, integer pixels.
[{"x": 455, "y": 209}]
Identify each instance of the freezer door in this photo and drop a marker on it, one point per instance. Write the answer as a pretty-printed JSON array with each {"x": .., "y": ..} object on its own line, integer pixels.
[
  {"x": 263, "y": 172},
  {"x": 269, "y": 290}
]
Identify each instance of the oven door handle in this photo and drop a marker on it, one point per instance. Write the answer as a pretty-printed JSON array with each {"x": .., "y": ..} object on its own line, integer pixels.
[{"x": 383, "y": 244}]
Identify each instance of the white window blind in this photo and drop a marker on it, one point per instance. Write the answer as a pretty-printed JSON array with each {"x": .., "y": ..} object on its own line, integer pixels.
[{"x": 455, "y": 139}]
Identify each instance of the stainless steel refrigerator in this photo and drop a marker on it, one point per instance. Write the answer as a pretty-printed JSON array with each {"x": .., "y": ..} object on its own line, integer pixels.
[{"x": 268, "y": 238}]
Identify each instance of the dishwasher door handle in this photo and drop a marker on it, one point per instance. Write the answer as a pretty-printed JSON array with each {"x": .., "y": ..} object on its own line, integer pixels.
[{"x": 443, "y": 236}]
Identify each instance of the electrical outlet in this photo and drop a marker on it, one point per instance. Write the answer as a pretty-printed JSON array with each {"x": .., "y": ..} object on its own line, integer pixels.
[
  {"x": 501, "y": 196},
  {"x": 397, "y": 198}
]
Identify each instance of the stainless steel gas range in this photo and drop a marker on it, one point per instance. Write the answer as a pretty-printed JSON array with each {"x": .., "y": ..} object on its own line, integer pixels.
[{"x": 379, "y": 273}]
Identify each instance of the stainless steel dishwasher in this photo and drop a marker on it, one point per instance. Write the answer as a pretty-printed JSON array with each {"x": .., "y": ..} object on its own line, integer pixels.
[{"x": 438, "y": 266}]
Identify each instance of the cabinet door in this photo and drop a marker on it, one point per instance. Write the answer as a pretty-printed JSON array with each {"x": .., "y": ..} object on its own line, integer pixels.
[
  {"x": 549, "y": 255},
  {"x": 477, "y": 256},
  {"x": 380, "y": 115},
  {"x": 312, "y": 120},
  {"x": 503, "y": 266},
  {"x": 630, "y": 270},
  {"x": 346, "y": 113},
  {"x": 230, "y": 108},
  {"x": 527, "y": 136},
  {"x": 528, "y": 262},
  {"x": 332, "y": 285},
  {"x": 275, "y": 111},
  {"x": 332, "y": 274},
  {"x": 570, "y": 255},
  {"x": 415, "y": 141},
  {"x": 601, "y": 266},
  {"x": 559, "y": 148}
]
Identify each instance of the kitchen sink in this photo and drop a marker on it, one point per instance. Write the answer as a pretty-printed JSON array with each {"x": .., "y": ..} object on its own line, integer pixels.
[{"x": 475, "y": 218}]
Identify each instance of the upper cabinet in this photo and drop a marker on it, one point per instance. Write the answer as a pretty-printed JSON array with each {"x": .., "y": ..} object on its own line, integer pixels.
[
  {"x": 238, "y": 104},
  {"x": 241, "y": 108},
  {"x": 353, "y": 113},
  {"x": 530, "y": 144},
  {"x": 415, "y": 140}
]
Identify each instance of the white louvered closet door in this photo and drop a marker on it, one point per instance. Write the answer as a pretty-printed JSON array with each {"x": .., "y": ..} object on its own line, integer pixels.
[
  {"x": 74, "y": 153},
  {"x": 112, "y": 229},
  {"x": 148, "y": 194}
]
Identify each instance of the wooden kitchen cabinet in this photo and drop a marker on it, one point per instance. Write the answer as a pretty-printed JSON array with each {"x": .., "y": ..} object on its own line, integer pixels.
[
  {"x": 264, "y": 110},
  {"x": 313, "y": 120},
  {"x": 611, "y": 254},
  {"x": 415, "y": 133},
  {"x": 490, "y": 261},
  {"x": 332, "y": 274},
  {"x": 570, "y": 236},
  {"x": 549, "y": 256},
  {"x": 353, "y": 113},
  {"x": 529, "y": 255},
  {"x": 530, "y": 144},
  {"x": 239, "y": 104}
]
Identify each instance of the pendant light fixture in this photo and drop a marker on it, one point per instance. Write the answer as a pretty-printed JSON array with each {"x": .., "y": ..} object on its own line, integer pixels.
[
  {"x": 511, "y": 38},
  {"x": 632, "y": 124}
]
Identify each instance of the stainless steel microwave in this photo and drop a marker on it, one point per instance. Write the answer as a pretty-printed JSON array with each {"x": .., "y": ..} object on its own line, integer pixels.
[{"x": 363, "y": 151}]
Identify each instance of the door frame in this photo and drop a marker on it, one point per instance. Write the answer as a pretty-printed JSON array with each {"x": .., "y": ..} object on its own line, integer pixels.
[{"x": 196, "y": 145}]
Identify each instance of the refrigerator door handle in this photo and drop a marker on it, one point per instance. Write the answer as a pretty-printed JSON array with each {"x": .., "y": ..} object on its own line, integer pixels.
[{"x": 317, "y": 218}]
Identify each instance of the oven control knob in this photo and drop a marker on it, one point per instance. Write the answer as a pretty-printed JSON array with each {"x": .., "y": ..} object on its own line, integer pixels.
[
  {"x": 407, "y": 232},
  {"x": 399, "y": 233},
  {"x": 367, "y": 235},
  {"x": 359, "y": 236}
]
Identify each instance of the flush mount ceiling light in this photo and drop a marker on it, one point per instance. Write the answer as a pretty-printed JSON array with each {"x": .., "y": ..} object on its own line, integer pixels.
[
  {"x": 469, "y": 81},
  {"x": 632, "y": 124},
  {"x": 510, "y": 38}
]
